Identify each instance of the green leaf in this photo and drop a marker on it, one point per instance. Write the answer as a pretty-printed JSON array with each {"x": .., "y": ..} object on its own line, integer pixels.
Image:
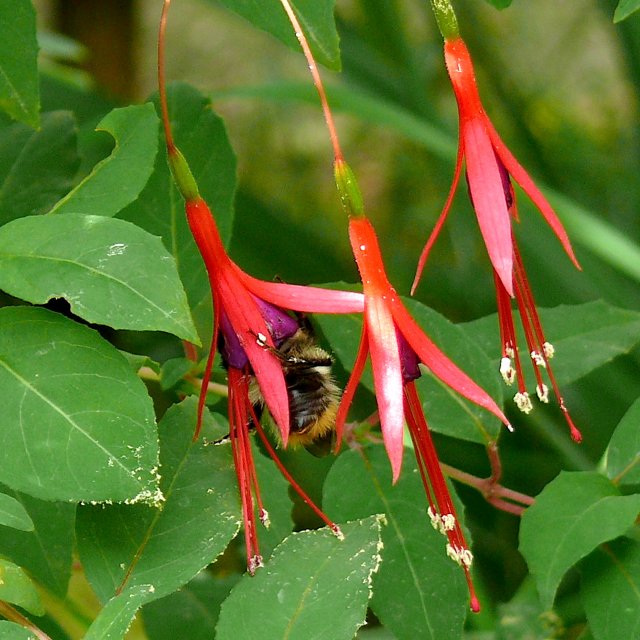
[
  {"x": 173, "y": 371},
  {"x": 76, "y": 423},
  {"x": 117, "y": 180},
  {"x": 418, "y": 591},
  {"x": 276, "y": 494},
  {"x": 45, "y": 551},
  {"x": 316, "y": 19},
  {"x": 623, "y": 453},
  {"x": 115, "y": 619},
  {"x": 17, "y": 588},
  {"x": 13, "y": 514},
  {"x": 195, "y": 607},
  {"x": 570, "y": 518},
  {"x": 122, "y": 546},
  {"x": 524, "y": 617},
  {"x": 611, "y": 590},
  {"x": 310, "y": 577},
  {"x": 12, "y": 631},
  {"x": 624, "y": 9},
  {"x": 201, "y": 136},
  {"x": 19, "y": 87},
  {"x": 36, "y": 167},
  {"x": 110, "y": 271},
  {"x": 584, "y": 336},
  {"x": 137, "y": 362}
]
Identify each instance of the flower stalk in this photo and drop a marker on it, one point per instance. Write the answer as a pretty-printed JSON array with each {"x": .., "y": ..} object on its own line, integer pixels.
[{"x": 446, "y": 18}]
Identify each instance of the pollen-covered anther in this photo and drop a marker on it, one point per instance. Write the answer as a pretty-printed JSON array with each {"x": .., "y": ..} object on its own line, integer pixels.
[
  {"x": 507, "y": 372},
  {"x": 337, "y": 532},
  {"x": 264, "y": 518},
  {"x": 543, "y": 392},
  {"x": 460, "y": 555},
  {"x": 538, "y": 359},
  {"x": 549, "y": 350},
  {"x": 436, "y": 523},
  {"x": 448, "y": 521},
  {"x": 523, "y": 402},
  {"x": 255, "y": 562},
  {"x": 261, "y": 340}
]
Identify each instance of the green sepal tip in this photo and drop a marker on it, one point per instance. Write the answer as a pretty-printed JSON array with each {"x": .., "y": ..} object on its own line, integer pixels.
[
  {"x": 182, "y": 175},
  {"x": 348, "y": 188}
]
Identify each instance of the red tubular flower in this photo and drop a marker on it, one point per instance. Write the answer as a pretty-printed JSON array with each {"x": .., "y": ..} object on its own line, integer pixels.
[
  {"x": 244, "y": 301},
  {"x": 397, "y": 345},
  {"x": 250, "y": 316},
  {"x": 489, "y": 169}
]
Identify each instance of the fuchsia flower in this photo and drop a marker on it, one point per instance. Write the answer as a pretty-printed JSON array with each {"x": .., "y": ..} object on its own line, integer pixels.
[
  {"x": 397, "y": 345},
  {"x": 250, "y": 316},
  {"x": 489, "y": 169}
]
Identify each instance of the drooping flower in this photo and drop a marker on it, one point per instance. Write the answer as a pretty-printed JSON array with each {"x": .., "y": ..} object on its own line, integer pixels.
[
  {"x": 251, "y": 321},
  {"x": 244, "y": 313},
  {"x": 490, "y": 166},
  {"x": 397, "y": 345},
  {"x": 250, "y": 317}
]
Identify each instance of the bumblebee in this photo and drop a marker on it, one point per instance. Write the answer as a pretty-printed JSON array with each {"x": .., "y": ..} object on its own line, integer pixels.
[{"x": 313, "y": 394}]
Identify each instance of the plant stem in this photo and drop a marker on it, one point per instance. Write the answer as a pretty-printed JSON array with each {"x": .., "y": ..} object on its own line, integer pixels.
[
  {"x": 13, "y": 615},
  {"x": 497, "y": 495}
]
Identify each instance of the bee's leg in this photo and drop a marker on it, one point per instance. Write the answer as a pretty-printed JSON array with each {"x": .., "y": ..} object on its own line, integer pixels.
[{"x": 227, "y": 438}]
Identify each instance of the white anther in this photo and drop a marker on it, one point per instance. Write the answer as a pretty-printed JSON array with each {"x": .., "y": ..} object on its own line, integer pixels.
[
  {"x": 523, "y": 401},
  {"x": 538, "y": 360},
  {"x": 448, "y": 521},
  {"x": 435, "y": 519},
  {"x": 460, "y": 556},
  {"x": 548, "y": 349},
  {"x": 255, "y": 562},
  {"x": 543, "y": 392},
  {"x": 507, "y": 372}
]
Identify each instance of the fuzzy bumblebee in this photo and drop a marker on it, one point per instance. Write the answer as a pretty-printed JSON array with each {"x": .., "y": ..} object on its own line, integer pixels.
[{"x": 313, "y": 393}]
